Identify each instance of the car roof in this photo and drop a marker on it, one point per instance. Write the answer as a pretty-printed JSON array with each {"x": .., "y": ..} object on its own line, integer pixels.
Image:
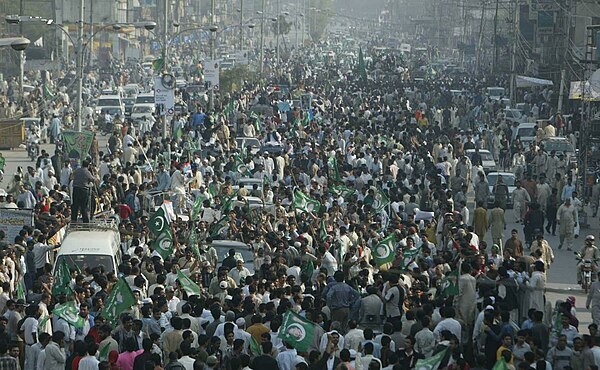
[
  {"x": 101, "y": 242},
  {"x": 527, "y": 125},
  {"x": 503, "y": 174},
  {"x": 224, "y": 243},
  {"x": 144, "y": 105},
  {"x": 113, "y": 96},
  {"x": 480, "y": 151}
]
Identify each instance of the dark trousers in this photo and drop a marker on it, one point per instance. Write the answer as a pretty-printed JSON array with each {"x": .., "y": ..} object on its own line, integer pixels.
[{"x": 81, "y": 201}]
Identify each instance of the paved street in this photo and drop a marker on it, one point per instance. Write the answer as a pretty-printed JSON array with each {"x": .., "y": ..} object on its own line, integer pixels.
[{"x": 562, "y": 280}]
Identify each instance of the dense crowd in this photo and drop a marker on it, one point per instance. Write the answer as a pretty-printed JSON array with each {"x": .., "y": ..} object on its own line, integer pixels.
[{"x": 363, "y": 234}]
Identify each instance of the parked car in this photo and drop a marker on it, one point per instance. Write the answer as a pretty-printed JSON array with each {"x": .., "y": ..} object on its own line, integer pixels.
[
  {"x": 514, "y": 115},
  {"x": 509, "y": 179},
  {"x": 562, "y": 146},
  {"x": 487, "y": 159},
  {"x": 242, "y": 251},
  {"x": 525, "y": 132},
  {"x": 245, "y": 142}
]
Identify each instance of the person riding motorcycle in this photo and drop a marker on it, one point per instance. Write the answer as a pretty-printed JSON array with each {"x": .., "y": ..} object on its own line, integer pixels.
[{"x": 588, "y": 252}]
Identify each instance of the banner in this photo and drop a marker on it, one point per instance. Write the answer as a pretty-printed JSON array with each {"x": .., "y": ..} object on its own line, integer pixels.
[
  {"x": 13, "y": 220},
  {"x": 77, "y": 144}
]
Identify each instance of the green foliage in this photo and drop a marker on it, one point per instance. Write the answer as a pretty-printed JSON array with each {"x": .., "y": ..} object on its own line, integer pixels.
[
  {"x": 231, "y": 79},
  {"x": 284, "y": 26},
  {"x": 319, "y": 20}
]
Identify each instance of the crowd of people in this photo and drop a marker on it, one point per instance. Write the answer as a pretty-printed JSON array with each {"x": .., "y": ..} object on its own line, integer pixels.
[{"x": 346, "y": 164}]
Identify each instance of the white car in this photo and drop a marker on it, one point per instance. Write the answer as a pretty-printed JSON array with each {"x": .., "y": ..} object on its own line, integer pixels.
[
  {"x": 508, "y": 178},
  {"x": 487, "y": 159},
  {"x": 525, "y": 132},
  {"x": 140, "y": 111},
  {"x": 105, "y": 101}
]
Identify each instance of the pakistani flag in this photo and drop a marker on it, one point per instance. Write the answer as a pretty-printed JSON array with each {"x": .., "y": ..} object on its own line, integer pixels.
[
  {"x": 158, "y": 223},
  {"x": 229, "y": 108},
  {"x": 431, "y": 363},
  {"x": 381, "y": 201},
  {"x": 240, "y": 166},
  {"x": 255, "y": 347},
  {"x": 69, "y": 312},
  {"x": 62, "y": 282},
  {"x": 254, "y": 117},
  {"x": 384, "y": 250},
  {"x": 119, "y": 300},
  {"x": 342, "y": 190},
  {"x": 362, "y": 69},
  {"x": 21, "y": 290},
  {"x": 297, "y": 331},
  {"x": 333, "y": 169},
  {"x": 193, "y": 242},
  {"x": 217, "y": 229},
  {"x": 227, "y": 204},
  {"x": 163, "y": 243},
  {"x": 197, "y": 207},
  {"x": 323, "y": 230},
  {"x": 212, "y": 189},
  {"x": 305, "y": 203},
  {"x": 449, "y": 284},
  {"x": 306, "y": 120},
  {"x": 190, "y": 287},
  {"x": 46, "y": 93},
  {"x": 500, "y": 365}
]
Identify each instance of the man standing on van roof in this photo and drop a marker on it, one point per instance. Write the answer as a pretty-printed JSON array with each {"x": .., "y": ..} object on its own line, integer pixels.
[{"x": 82, "y": 183}]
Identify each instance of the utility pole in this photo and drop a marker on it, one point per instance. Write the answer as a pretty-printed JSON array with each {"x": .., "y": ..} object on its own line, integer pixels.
[
  {"x": 165, "y": 67},
  {"x": 262, "y": 38},
  {"x": 79, "y": 67},
  {"x": 241, "y": 25},
  {"x": 480, "y": 41},
  {"x": 495, "y": 59},
  {"x": 213, "y": 20},
  {"x": 567, "y": 39},
  {"x": 91, "y": 32},
  {"x": 513, "y": 57},
  {"x": 278, "y": 29}
]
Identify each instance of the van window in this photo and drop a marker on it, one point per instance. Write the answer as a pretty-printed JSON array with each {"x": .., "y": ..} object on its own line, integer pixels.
[
  {"x": 109, "y": 102},
  {"x": 84, "y": 261},
  {"x": 144, "y": 99}
]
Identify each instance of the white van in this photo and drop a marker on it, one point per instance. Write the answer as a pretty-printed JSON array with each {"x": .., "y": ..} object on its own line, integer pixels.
[{"x": 91, "y": 245}]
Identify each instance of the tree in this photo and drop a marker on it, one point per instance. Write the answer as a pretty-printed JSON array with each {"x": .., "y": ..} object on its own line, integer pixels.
[
  {"x": 319, "y": 19},
  {"x": 232, "y": 79},
  {"x": 284, "y": 26}
]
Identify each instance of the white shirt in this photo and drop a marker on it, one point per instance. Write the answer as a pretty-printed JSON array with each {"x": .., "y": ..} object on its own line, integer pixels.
[
  {"x": 187, "y": 362},
  {"x": 30, "y": 327},
  {"x": 448, "y": 324},
  {"x": 88, "y": 363},
  {"x": 288, "y": 359}
]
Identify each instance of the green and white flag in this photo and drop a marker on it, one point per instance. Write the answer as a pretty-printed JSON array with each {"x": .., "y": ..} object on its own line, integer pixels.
[
  {"x": 323, "y": 230},
  {"x": 384, "y": 250},
  {"x": 197, "y": 207},
  {"x": 297, "y": 331},
  {"x": 240, "y": 166},
  {"x": 500, "y": 365},
  {"x": 193, "y": 242},
  {"x": 305, "y": 203},
  {"x": 190, "y": 287},
  {"x": 62, "y": 283},
  {"x": 212, "y": 190},
  {"x": 21, "y": 290},
  {"x": 449, "y": 284},
  {"x": 163, "y": 243},
  {"x": 342, "y": 190},
  {"x": 333, "y": 169},
  {"x": 120, "y": 299},
  {"x": 381, "y": 201},
  {"x": 229, "y": 108},
  {"x": 158, "y": 222},
  {"x": 69, "y": 312},
  {"x": 219, "y": 228},
  {"x": 431, "y": 363}
]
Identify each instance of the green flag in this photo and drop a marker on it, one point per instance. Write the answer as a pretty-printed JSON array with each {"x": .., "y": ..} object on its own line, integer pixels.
[
  {"x": 333, "y": 169},
  {"x": 384, "y": 250},
  {"x": 306, "y": 120},
  {"x": 62, "y": 281},
  {"x": 342, "y": 190},
  {"x": 323, "y": 230},
  {"x": 254, "y": 117},
  {"x": 381, "y": 201},
  {"x": 227, "y": 204},
  {"x": 297, "y": 331},
  {"x": 305, "y": 203},
  {"x": 218, "y": 228},
  {"x": 197, "y": 207},
  {"x": 240, "y": 166},
  {"x": 193, "y": 242},
  {"x": 158, "y": 64},
  {"x": 255, "y": 347},
  {"x": 212, "y": 190},
  {"x": 362, "y": 69},
  {"x": 190, "y": 287},
  {"x": 70, "y": 313},
  {"x": 431, "y": 363},
  {"x": 103, "y": 353},
  {"x": 158, "y": 222},
  {"x": 46, "y": 93},
  {"x": 307, "y": 269},
  {"x": 163, "y": 243},
  {"x": 229, "y": 108},
  {"x": 21, "y": 290},
  {"x": 2, "y": 162},
  {"x": 449, "y": 284},
  {"x": 120, "y": 299},
  {"x": 77, "y": 144},
  {"x": 500, "y": 365}
]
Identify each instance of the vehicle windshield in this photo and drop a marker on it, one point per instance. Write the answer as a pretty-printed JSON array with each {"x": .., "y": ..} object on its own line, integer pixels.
[
  {"x": 109, "y": 102},
  {"x": 526, "y": 132},
  {"x": 142, "y": 109},
  {"x": 111, "y": 111},
  {"x": 508, "y": 180},
  {"x": 486, "y": 156},
  {"x": 516, "y": 113},
  {"x": 144, "y": 99},
  {"x": 495, "y": 92},
  {"x": 559, "y": 146},
  {"x": 85, "y": 261}
]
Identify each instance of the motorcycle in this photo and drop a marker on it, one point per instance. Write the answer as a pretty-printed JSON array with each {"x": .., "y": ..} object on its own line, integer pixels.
[
  {"x": 587, "y": 269},
  {"x": 33, "y": 148}
]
